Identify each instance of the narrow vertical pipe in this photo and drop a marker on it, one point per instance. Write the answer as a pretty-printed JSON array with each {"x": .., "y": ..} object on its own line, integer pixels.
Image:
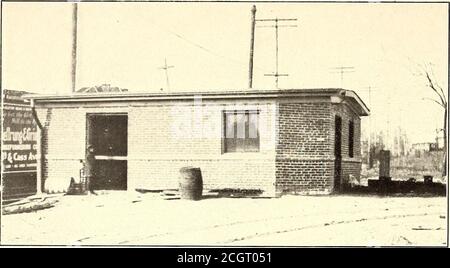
[
  {"x": 39, "y": 162},
  {"x": 39, "y": 150},
  {"x": 252, "y": 46}
]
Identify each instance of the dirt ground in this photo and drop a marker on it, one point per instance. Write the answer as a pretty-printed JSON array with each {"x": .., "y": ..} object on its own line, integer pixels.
[{"x": 127, "y": 218}]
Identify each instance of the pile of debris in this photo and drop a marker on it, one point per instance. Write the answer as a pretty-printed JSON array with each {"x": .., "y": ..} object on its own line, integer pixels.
[
  {"x": 386, "y": 185},
  {"x": 104, "y": 88},
  {"x": 427, "y": 186},
  {"x": 30, "y": 204}
]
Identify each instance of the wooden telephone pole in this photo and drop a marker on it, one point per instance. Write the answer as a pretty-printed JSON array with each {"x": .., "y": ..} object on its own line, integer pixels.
[
  {"x": 74, "y": 45},
  {"x": 252, "y": 46}
]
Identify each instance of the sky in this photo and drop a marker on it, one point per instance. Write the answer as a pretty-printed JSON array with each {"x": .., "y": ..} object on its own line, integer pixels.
[{"x": 125, "y": 44}]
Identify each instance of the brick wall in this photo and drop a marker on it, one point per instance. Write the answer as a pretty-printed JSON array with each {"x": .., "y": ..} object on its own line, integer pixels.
[
  {"x": 304, "y": 161},
  {"x": 296, "y": 144},
  {"x": 163, "y": 137},
  {"x": 304, "y": 176},
  {"x": 351, "y": 166},
  {"x": 60, "y": 148},
  {"x": 177, "y": 135},
  {"x": 64, "y": 143}
]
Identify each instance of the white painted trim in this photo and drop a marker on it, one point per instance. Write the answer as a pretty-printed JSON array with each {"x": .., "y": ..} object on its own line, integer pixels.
[
  {"x": 107, "y": 157},
  {"x": 19, "y": 171},
  {"x": 189, "y": 95},
  {"x": 107, "y": 99},
  {"x": 353, "y": 95},
  {"x": 269, "y": 155},
  {"x": 17, "y": 104},
  {"x": 305, "y": 158}
]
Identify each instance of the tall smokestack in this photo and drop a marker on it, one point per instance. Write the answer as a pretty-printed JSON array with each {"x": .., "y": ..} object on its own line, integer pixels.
[
  {"x": 74, "y": 45},
  {"x": 252, "y": 45}
]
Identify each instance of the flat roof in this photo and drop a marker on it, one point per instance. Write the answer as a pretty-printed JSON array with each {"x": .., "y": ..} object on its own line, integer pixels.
[{"x": 224, "y": 94}]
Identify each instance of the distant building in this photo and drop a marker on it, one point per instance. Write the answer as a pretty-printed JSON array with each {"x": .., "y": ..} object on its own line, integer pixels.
[
  {"x": 421, "y": 146},
  {"x": 419, "y": 149},
  {"x": 440, "y": 143}
]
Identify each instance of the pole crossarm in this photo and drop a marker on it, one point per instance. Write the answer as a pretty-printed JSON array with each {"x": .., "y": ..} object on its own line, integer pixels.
[
  {"x": 276, "y": 19},
  {"x": 279, "y": 26},
  {"x": 166, "y": 69},
  {"x": 276, "y": 26},
  {"x": 276, "y": 75},
  {"x": 342, "y": 70}
]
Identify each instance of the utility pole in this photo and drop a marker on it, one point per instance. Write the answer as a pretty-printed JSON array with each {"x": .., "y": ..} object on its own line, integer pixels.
[
  {"x": 74, "y": 45},
  {"x": 343, "y": 70},
  {"x": 166, "y": 69},
  {"x": 252, "y": 45},
  {"x": 276, "y": 26}
]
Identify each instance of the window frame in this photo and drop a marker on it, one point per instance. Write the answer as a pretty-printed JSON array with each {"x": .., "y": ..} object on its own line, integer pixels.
[{"x": 246, "y": 113}]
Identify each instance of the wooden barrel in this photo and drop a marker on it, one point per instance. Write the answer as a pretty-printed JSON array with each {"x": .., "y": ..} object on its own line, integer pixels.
[{"x": 190, "y": 183}]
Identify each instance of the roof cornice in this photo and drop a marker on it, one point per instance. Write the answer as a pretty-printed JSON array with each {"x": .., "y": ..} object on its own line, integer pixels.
[{"x": 167, "y": 96}]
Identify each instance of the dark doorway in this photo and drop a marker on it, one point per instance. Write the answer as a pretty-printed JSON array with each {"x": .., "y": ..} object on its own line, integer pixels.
[
  {"x": 337, "y": 152},
  {"x": 108, "y": 134}
]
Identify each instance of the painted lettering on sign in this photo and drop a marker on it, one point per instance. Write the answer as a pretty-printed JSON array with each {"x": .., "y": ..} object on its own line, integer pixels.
[{"x": 19, "y": 137}]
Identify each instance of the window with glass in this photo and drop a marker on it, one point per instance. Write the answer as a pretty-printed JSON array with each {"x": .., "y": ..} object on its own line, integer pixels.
[{"x": 241, "y": 131}]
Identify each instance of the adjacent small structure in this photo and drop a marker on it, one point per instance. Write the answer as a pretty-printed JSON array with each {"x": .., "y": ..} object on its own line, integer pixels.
[
  {"x": 295, "y": 140},
  {"x": 19, "y": 142}
]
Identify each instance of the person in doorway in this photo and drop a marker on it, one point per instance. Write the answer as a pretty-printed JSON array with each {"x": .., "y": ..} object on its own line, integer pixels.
[{"x": 90, "y": 168}]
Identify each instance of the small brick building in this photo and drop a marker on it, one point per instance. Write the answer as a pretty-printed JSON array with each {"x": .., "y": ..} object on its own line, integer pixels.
[{"x": 298, "y": 140}]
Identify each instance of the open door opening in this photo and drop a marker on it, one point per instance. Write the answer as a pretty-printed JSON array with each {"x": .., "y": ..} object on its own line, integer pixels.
[{"x": 108, "y": 135}]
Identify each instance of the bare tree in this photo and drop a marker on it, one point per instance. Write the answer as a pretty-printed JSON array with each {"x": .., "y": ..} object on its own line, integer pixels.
[{"x": 440, "y": 100}]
